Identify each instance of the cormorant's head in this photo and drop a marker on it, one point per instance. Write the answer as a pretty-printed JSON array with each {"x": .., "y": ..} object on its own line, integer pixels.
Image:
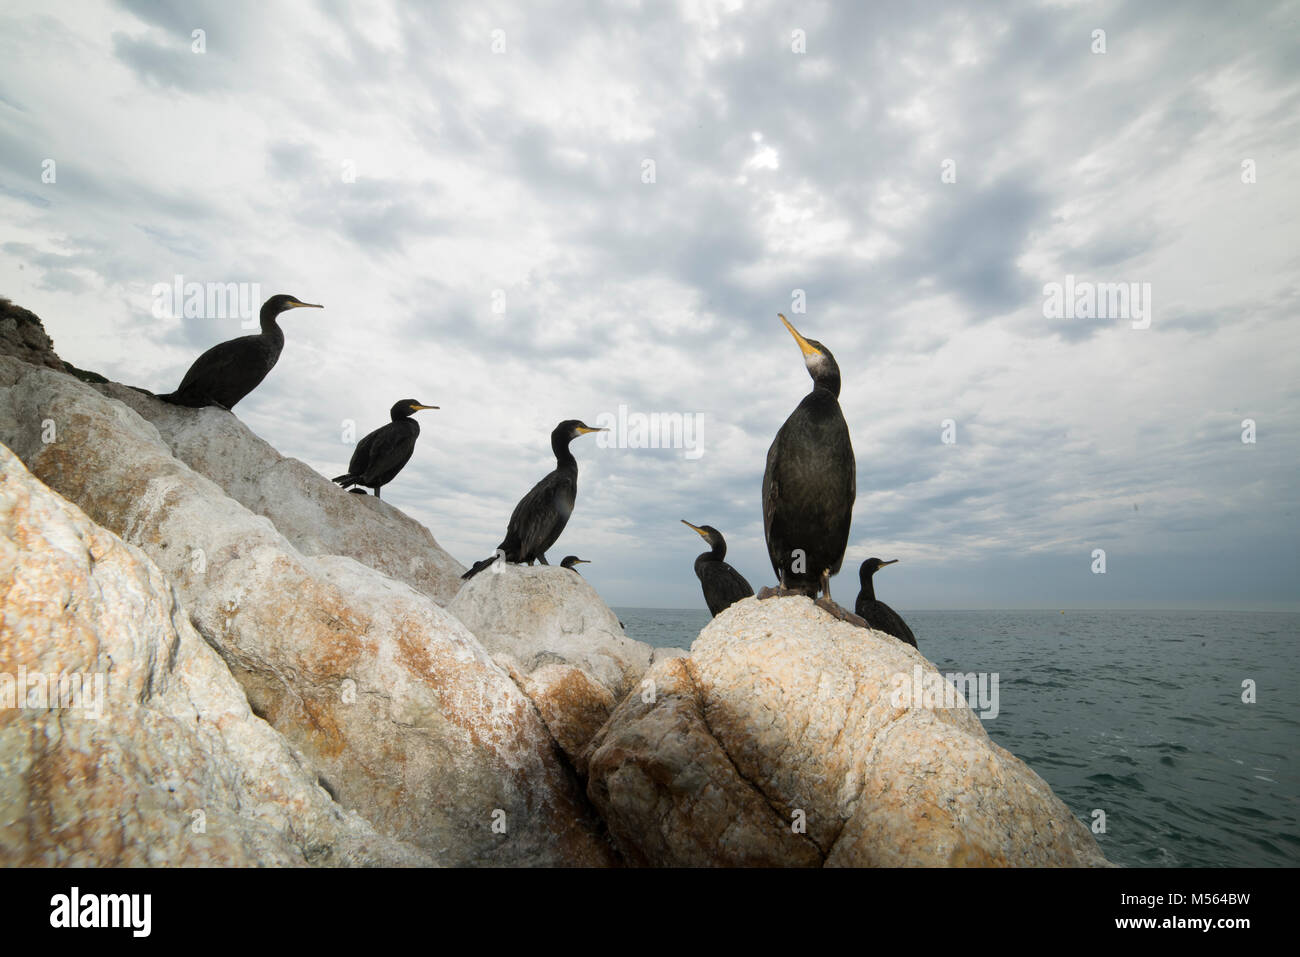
[
  {"x": 871, "y": 566},
  {"x": 281, "y": 303},
  {"x": 570, "y": 429},
  {"x": 407, "y": 408},
  {"x": 571, "y": 560},
  {"x": 707, "y": 532},
  {"x": 821, "y": 364}
]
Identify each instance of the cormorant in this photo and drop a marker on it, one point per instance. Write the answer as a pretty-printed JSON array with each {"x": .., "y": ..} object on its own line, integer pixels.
[
  {"x": 809, "y": 486},
  {"x": 571, "y": 560},
  {"x": 382, "y": 454},
  {"x": 230, "y": 370},
  {"x": 723, "y": 585},
  {"x": 541, "y": 515},
  {"x": 875, "y": 612}
]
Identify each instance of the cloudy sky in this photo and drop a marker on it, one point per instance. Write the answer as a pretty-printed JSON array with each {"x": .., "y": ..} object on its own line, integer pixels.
[{"x": 526, "y": 214}]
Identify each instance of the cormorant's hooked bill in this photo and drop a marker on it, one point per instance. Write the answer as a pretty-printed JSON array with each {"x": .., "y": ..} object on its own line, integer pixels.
[
  {"x": 541, "y": 515},
  {"x": 723, "y": 586},
  {"x": 384, "y": 452},
  {"x": 230, "y": 370},
  {"x": 875, "y": 612}
]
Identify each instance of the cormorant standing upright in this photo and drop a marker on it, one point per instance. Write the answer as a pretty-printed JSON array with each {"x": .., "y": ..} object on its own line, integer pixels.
[
  {"x": 809, "y": 485},
  {"x": 875, "y": 612},
  {"x": 571, "y": 560},
  {"x": 723, "y": 585},
  {"x": 541, "y": 515},
  {"x": 384, "y": 452},
  {"x": 230, "y": 370}
]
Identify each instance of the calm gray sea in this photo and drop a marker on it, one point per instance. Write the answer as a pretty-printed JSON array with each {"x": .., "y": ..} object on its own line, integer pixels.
[{"x": 1136, "y": 713}]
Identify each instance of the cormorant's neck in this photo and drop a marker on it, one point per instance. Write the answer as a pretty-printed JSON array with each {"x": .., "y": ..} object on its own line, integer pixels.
[
  {"x": 719, "y": 551},
  {"x": 269, "y": 325},
  {"x": 830, "y": 381},
  {"x": 868, "y": 587},
  {"x": 563, "y": 457}
]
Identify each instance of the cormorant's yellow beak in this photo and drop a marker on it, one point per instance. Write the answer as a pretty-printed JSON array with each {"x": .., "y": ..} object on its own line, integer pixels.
[
  {"x": 295, "y": 304},
  {"x": 805, "y": 346},
  {"x": 892, "y": 561},
  {"x": 584, "y": 429},
  {"x": 582, "y": 561},
  {"x": 701, "y": 532},
  {"x": 415, "y": 407}
]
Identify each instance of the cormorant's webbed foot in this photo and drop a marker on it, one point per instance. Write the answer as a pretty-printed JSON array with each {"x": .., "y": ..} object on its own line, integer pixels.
[
  {"x": 827, "y": 605},
  {"x": 779, "y": 591}
]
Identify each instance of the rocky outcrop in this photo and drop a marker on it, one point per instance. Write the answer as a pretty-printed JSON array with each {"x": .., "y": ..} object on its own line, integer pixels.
[
  {"x": 563, "y": 645},
  {"x": 406, "y": 718},
  {"x": 779, "y": 741},
  {"x": 23, "y": 336},
  {"x": 314, "y": 514},
  {"x": 124, "y": 740},
  {"x": 278, "y": 659}
]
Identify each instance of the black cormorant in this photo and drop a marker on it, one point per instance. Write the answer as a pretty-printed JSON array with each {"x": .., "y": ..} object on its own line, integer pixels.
[
  {"x": 381, "y": 455},
  {"x": 541, "y": 515},
  {"x": 571, "y": 560},
  {"x": 230, "y": 370},
  {"x": 723, "y": 585},
  {"x": 875, "y": 612},
  {"x": 809, "y": 485}
]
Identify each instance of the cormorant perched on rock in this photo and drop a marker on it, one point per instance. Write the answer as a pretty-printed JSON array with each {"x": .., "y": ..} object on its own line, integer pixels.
[
  {"x": 381, "y": 455},
  {"x": 541, "y": 515},
  {"x": 571, "y": 560},
  {"x": 230, "y": 370},
  {"x": 875, "y": 612},
  {"x": 809, "y": 486},
  {"x": 723, "y": 585}
]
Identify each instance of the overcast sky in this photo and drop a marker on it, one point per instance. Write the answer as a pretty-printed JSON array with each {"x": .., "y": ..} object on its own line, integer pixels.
[{"x": 471, "y": 207}]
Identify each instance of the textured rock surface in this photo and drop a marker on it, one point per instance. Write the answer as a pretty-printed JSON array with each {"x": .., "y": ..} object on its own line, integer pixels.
[
  {"x": 22, "y": 335},
  {"x": 314, "y": 514},
  {"x": 561, "y": 643},
  {"x": 782, "y": 713},
  {"x": 544, "y": 614},
  {"x": 165, "y": 764},
  {"x": 405, "y": 716}
]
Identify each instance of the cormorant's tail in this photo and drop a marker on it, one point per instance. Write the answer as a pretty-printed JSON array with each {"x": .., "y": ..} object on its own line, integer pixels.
[
  {"x": 346, "y": 479},
  {"x": 188, "y": 400},
  {"x": 479, "y": 566}
]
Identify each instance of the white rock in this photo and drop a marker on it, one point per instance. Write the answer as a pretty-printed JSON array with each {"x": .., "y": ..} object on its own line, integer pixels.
[
  {"x": 158, "y": 761},
  {"x": 314, "y": 514},
  {"x": 545, "y": 614},
  {"x": 784, "y": 718},
  {"x": 394, "y": 702}
]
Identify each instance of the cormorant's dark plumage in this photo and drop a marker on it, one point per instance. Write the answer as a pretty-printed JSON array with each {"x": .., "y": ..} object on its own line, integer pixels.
[
  {"x": 723, "y": 585},
  {"x": 810, "y": 481},
  {"x": 382, "y": 454},
  {"x": 875, "y": 612},
  {"x": 571, "y": 560},
  {"x": 541, "y": 515},
  {"x": 230, "y": 370}
]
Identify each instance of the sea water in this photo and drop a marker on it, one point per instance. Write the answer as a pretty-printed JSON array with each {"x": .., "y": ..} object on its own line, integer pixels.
[{"x": 1136, "y": 714}]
